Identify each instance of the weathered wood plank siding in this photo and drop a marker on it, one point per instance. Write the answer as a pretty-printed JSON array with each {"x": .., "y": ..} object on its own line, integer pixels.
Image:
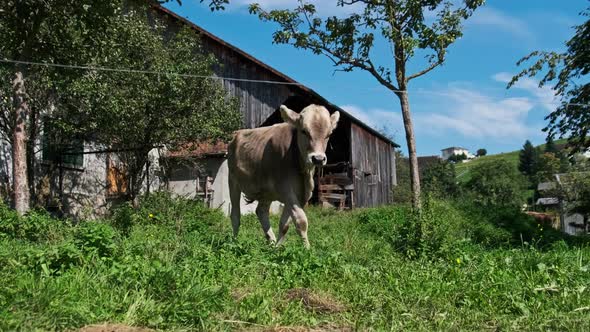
[
  {"x": 257, "y": 100},
  {"x": 373, "y": 168}
]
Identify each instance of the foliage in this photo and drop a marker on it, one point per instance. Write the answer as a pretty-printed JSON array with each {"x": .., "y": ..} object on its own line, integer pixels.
[
  {"x": 496, "y": 183},
  {"x": 440, "y": 180},
  {"x": 155, "y": 110},
  {"x": 36, "y": 31},
  {"x": 37, "y": 226},
  {"x": 125, "y": 111},
  {"x": 569, "y": 70},
  {"x": 432, "y": 234},
  {"x": 574, "y": 190},
  {"x": 455, "y": 158},
  {"x": 370, "y": 269},
  {"x": 96, "y": 238},
  {"x": 528, "y": 160},
  {"x": 481, "y": 152},
  {"x": 550, "y": 146},
  {"x": 547, "y": 166},
  {"x": 402, "y": 192},
  {"x": 399, "y": 26}
]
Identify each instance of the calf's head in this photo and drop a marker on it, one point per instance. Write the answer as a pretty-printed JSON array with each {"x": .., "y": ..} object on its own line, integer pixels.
[{"x": 314, "y": 126}]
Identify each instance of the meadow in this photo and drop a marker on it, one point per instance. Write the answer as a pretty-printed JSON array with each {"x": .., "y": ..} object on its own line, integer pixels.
[{"x": 172, "y": 265}]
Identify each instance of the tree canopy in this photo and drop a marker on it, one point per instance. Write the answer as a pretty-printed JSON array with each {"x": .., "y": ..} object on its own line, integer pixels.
[
  {"x": 496, "y": 183},
  {"x": 568, "y": 72},
  {"x": 119, "y": 109},
  {"x": 527, "y": 159},
  {"x": 138, "y": 112}
]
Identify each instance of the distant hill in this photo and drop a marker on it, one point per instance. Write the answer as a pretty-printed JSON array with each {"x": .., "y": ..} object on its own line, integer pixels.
[{"x": 463, "y": 169}]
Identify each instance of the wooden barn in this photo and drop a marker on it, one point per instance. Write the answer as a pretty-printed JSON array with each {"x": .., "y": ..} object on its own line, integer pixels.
[{"x": 361, "y": 161}]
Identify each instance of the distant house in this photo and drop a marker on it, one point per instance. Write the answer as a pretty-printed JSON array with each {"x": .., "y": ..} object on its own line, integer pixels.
[
  {"x": 453, "y": 151},
  {"x": 549, "y": 200}
]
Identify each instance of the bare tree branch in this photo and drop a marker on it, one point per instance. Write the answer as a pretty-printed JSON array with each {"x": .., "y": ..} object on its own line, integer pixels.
[{"x": 425, "y": 71}]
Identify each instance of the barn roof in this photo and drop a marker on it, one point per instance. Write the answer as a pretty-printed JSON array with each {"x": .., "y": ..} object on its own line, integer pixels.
[{"x": 281, "y": 76}]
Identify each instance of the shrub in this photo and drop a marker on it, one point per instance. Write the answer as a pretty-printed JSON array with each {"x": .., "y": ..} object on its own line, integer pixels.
[
  {"x": 503, "y": 226},
  {"x": 496, "y": 183},
  {"x": 186, "y": 215},
  {"x": 96, "y": 238},
  {"x": 35, "y": 226},
  {"x": 161, "y": 208},
  {"x": 432, "y": 233},
  {"x": 440, "y": 180},
  {"x": 54, "y": 259}
]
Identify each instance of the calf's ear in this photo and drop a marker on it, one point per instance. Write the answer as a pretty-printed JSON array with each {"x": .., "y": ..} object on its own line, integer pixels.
[
  {"x": 289, "y": 116},
  {"x": 334, "y": 119}
]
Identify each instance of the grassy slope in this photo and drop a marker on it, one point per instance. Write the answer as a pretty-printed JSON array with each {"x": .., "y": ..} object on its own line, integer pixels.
[
  {"x": 163, "y": 275},
  {"x": 511, "y": 157}
]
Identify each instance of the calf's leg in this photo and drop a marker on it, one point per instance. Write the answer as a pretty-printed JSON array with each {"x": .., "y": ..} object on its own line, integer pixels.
[
  {"x": 235, "y": 196},
  {"x": 301, "y": 223},
  {"x": 284, "y": 223},
  {"x": 262, "y": 211}
]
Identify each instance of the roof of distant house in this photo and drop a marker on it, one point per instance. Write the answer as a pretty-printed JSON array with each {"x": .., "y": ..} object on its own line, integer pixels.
[
  {"x": 548, "y": 201},
  {"x": 454, "y": 148}
]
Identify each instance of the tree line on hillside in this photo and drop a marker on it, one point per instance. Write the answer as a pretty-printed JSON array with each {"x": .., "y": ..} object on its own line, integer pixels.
[
  {"x": 498, "y": 183},
  {"x": 491, "y": 183}
]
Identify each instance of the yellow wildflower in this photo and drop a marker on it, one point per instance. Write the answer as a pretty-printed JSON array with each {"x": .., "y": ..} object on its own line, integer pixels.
[{"x": 458, "y": 260}]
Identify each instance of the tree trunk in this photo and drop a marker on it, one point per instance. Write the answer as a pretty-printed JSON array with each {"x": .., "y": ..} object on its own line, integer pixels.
[
  {"x": 19, "y": 146},
  {"x": 411, "y": 141}
]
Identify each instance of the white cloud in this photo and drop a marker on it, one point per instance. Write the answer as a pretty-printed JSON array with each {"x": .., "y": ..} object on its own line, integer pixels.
[
  {"x": 544, "y": 96},
  {"x": 475, "y": 115},
  {"x": 465, "y": 113},
  {"x": 324, "y": 7},
  {"x": 493, "y": 18}
]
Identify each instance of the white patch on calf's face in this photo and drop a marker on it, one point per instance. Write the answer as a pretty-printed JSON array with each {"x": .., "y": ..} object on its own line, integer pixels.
[{"x": 314, "y": 129}]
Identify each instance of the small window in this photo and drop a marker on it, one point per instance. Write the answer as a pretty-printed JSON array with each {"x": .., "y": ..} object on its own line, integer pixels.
[{"x": 56, "y": 149}]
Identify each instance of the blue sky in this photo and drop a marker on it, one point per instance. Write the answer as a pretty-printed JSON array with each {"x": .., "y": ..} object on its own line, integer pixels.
[{"x": 463, "y": 103}]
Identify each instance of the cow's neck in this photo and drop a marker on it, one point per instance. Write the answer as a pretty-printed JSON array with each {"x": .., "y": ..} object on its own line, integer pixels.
[
  {"x": 307, "y": 172},
  {"x": 308, "y": 182}
]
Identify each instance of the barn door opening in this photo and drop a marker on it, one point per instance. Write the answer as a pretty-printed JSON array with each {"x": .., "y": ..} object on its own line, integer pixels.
[{"x": 334, "y": 183}]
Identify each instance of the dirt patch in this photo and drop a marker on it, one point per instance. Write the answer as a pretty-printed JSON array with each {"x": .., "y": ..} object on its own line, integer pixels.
[
  {"x": 113, "y": 328},
  {"x": 238, "y": 294},
  {"x": 315, "y": 302},
  {"x": 320, "y": 328}
]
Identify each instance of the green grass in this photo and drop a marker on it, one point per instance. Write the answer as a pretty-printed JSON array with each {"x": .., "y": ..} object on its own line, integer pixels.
[
  {"x": 463, "y": 169},
  {"x": 179, "y": 269}
]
